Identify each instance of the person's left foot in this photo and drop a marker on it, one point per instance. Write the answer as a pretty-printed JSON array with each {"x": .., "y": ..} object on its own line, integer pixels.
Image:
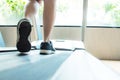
[
  {"x": 46, "y": 48},
  {"x": 23, "y": 32}
]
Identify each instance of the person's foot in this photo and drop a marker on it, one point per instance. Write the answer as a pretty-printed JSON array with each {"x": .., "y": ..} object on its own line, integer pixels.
[
  {"x": 46, "y": 48},
  {"x": 23, "y": 31}
]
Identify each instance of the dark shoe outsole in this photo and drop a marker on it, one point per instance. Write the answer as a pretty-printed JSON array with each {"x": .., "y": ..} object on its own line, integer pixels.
[{"x": 24, "y": 30}]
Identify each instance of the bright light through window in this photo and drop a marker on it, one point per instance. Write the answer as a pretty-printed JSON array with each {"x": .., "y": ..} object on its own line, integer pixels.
[
  {"x": 11, "y": 11},
  {"x": 104, "y": 13},
  {"x": 68, "y": 12}
]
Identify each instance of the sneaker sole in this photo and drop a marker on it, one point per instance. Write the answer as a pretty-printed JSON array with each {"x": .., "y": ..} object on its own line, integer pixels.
[
  {"x": 24, "y": 30},
  {"x": 46, "y": 52}
]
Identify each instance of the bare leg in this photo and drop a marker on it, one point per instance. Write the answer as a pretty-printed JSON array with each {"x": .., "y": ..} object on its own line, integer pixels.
[
  {"x": 48, "y": 18},
  {"x": 48, "y": 15},
  {"x": 31, "y": 8}
]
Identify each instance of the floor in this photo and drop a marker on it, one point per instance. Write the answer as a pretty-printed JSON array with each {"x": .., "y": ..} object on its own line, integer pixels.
[
  {"x": 63, "y": 65},
  {"x": 113, "y": 64}
]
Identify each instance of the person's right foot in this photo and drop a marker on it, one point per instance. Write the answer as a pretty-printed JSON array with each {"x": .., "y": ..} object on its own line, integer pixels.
[
  {"x": 47, "y": 48},
  {"x": 23, "y": 32}
]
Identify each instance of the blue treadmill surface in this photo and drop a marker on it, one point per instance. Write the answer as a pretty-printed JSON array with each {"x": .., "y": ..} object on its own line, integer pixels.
[{"x": 32, "y": 66}]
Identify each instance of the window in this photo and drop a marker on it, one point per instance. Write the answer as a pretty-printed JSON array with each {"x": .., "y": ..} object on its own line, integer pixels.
[
  {"x": 103, "y": 13},
  {"x": 11, "y": 11},
  {"x": 69, "y": 12}
]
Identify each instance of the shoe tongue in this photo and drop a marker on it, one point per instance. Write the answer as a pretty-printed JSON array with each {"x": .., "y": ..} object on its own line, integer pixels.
[{"x": 45, "y": 42}]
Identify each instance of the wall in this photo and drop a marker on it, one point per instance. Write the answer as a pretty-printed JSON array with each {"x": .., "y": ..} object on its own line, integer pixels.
[
  {"x": 103, "y": 42},
  {"x": 10, "y": 35},
  {"x": 100, "y": 42}
]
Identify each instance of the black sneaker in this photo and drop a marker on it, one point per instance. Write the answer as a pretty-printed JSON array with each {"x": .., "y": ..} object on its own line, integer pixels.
[
  {"x": 23, "y": 32},
  {"x": 46, "y": 48}
]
